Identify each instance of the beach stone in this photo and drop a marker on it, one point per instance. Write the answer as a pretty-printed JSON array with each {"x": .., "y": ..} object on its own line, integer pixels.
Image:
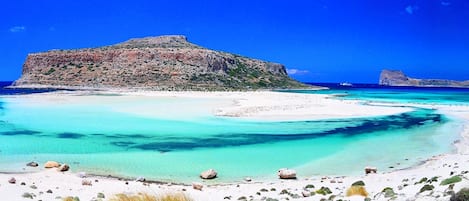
[
  {"x": 369, "y": 170},
  {"x": 306, "y": 194},
  {"x": 86, "y": 182},
  {"x": 82, "y": 174},
  {"x": 197, "y": 186},
  {"x": 12, "y": 180},
  {"x": 32, "y": 164},
  {"x": 248, "y": 179},
  {"x": 140, "y": 179},
  {"x": 63, "y": 168},
  {"x": 51, "y": 164},
  {"x": 286, "y": 173},
  {"x": 49, "y": 191},
  {"x": 208, "y": 174}
]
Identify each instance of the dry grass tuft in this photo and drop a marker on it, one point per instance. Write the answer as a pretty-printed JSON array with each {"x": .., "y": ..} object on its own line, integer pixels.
[
  {"x": 357, "y": 190},
  {"x": 147, "y": 197}
]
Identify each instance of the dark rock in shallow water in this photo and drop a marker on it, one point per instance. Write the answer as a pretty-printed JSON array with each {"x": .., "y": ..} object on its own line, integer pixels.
[{"x": 32, "y": 164}]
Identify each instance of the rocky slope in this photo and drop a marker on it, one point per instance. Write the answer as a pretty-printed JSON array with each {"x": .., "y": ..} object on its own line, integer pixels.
[
  {"x": 398, "y": 78},
  {"x": 159, "y": 63}
]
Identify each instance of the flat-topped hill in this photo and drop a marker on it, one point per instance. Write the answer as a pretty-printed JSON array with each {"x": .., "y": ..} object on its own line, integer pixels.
[{"x": 159, "y": 63}]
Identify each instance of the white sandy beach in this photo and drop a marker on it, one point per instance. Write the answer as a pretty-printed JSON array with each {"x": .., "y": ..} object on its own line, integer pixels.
[{"x": 259, "y": 106}]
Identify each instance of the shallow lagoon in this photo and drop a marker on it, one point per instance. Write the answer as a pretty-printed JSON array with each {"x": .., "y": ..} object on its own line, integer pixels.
[{"x": 108, "y": 136}]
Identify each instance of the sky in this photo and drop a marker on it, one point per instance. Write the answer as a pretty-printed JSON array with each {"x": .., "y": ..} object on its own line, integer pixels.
[{"x": 317, "y": 40}]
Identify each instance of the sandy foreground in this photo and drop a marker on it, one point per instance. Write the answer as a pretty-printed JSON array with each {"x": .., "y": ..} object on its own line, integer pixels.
[{"x": 49, "y": 184}]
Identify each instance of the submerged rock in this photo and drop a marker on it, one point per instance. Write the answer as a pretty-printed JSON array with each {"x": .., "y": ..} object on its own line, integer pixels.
[
  {"x": 208, "y": 174},
  {"x": 369, "y": 170},
  {"x": 63, "y": 168},
  {"x": 51, "y": 164},
  {"x": 286, "y": 173},
  {"x": 32, "y": 164}
]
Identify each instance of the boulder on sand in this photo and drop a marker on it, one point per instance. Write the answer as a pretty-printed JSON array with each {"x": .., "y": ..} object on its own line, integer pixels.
[
  {"x": 51, "y": 164},
  {"x": 208, "y": 174},
  {"x": 286, "y": 173},
  {"x": 12, "y": 180},
  {"x": 197, "y": 186}
]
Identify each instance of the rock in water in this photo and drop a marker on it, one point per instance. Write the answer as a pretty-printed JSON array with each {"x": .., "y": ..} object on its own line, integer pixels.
[
  {"x": 369, "y": 170},
  {"x": 286, "y": 173},
  {"x": 32, "y": 164},
  {"x": 63, "y": 168},
  {"x": 197, "y": 186},
  {"x": 208, "y": 174},
  {"x": 140, "y": 179},
  {"x": 157, "y": 63},
  {"x": 12, "y": 180},
  {"x": 51, "y": 164}
]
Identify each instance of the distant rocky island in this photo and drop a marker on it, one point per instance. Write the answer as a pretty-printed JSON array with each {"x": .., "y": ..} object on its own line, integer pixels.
[
  {"x": 398, "y": 78},
  {"x": 158, "y": 63}
]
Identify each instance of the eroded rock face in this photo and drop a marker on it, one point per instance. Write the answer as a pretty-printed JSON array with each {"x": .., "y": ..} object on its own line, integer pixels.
[
  {"x": 398, "y": 78},
  {"x": 164, "y": 63}
]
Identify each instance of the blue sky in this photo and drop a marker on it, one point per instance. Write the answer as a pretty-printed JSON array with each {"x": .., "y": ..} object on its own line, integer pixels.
[{"x": 317, "y": 40}]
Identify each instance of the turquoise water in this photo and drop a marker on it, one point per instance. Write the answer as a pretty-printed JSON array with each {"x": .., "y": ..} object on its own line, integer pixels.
[
  {"x": 421, "y": 95},
  {"x": 96, "y": 137}
]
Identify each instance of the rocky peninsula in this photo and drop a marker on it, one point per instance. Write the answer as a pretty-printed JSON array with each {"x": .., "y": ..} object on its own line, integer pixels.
[
  {"x": 398, "y": 78},
  {"x": 155, "y": 63}
]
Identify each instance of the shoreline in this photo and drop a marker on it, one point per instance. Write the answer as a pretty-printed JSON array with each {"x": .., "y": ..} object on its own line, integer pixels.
[{"x": 441, "y": 165}]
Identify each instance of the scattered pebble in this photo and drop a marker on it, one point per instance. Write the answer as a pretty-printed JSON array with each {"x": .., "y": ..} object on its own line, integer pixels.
[{"x": 12, "y": 180}]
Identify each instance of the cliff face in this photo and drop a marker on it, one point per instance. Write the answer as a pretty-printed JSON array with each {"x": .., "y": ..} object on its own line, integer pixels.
[
  {"x": 161, "y": 63},
  {"x": 398, "y": 78}
]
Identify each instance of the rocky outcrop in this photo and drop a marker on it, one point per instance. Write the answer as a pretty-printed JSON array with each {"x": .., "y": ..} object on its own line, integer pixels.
[
  {"x": 398, "y": 78},
  {"x": 160, "y": 63}
]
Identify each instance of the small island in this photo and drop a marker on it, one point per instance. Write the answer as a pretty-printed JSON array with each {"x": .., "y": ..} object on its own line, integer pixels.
[
  {"x": 152, "y": 63},
  {"x": 398, "y": 78}
]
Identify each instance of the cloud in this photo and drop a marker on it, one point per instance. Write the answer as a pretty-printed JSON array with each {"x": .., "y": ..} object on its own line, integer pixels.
[
  {"x": 16, "y": 29},
  {"x": 293, "y": 71},
  {"x": 445, "y": 3},
  {"x": 410, "y": 9}
]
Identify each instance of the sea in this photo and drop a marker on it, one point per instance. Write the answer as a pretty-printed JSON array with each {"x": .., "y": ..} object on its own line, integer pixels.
[{"x": 102, "y": 137}]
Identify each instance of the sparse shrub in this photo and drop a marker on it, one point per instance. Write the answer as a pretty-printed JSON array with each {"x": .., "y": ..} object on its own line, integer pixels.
[
  {"x": 50, "y": 71},
  {"x": 28, "y": 195},
  {"x": 324, "y": 191},
  {"x": 147, "y": 197},
  {"x": 309, "y": 186},
  {"x": 426, "y": 187},
  {"x": 422, "y": 180},
  {"x": 451, "y": 180},
  {"x": 388, "y": 192},
  {"x": 70, "y": 198},
  {"x": 358, "y": 183},
  {"x": 461, "y": 195},
  {"x": 357, "y": 190}
]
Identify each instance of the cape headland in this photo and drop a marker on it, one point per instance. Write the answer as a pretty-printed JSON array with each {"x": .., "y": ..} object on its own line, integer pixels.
[
  {"x": 155, "y": 63},
  {"x": 398, "y": 78}
]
